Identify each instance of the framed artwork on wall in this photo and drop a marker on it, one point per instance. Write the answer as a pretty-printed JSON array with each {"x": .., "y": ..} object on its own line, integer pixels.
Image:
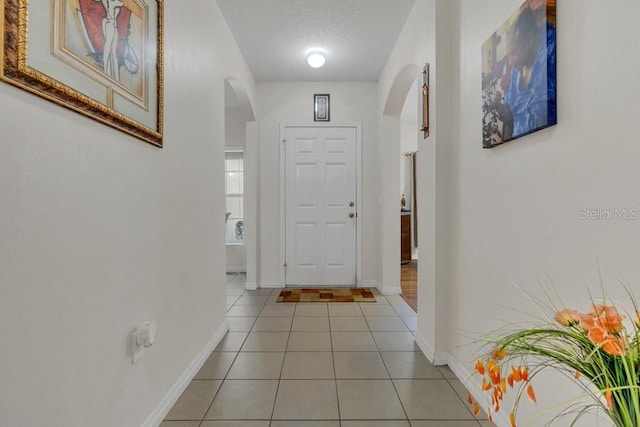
[
  {"x": 100, "y": 58},
  {"x": 519, "y": 74},
  {"x": 425, "y": 101},
  {"x": 321, "y": 107}
]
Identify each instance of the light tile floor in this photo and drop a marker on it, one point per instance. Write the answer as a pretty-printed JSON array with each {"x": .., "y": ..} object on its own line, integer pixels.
[{"x": 320, "y": 365}]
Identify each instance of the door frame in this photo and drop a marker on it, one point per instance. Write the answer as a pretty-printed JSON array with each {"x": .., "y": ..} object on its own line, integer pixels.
[{"x": 359, "y": 211}]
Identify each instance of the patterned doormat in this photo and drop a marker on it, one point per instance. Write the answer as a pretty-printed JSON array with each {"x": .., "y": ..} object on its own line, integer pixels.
[{"x": 327, "y": 295}]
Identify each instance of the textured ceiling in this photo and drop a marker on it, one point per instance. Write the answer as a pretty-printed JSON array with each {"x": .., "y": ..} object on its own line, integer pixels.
[{"x": 356, "y": 36}]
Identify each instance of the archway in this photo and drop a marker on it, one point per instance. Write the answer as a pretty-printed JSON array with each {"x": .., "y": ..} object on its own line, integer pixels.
[
  {"x": 390, "y": 219},
  {"x": 390, "y": 167},
  {"x": 241, "y": 139}
]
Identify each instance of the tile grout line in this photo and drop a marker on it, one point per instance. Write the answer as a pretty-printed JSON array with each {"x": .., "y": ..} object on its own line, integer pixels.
[
  {"x": 333, "y": 352},
  {"x": 333, "y": 363},
  {"x": 393, "y": 384},
  {"x": 464, "y": 402},
  {"x": 286, "y": 347},
  {"x": 226, "y": 374},
  {"x": 234, "y": 360}
]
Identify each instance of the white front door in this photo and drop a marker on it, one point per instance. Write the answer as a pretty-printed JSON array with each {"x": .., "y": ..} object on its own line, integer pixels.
[{"x": 320, "y": 206}]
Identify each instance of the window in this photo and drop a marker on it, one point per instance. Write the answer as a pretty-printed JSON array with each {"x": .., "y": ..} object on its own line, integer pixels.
[{"x": 234, "y": 190}]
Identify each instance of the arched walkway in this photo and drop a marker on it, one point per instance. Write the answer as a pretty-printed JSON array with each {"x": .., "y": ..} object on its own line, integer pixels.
[
  {"x": 390, "y": 167},
  {"x": 429, "y": 312},
  {"x": 237, "y": 101}
]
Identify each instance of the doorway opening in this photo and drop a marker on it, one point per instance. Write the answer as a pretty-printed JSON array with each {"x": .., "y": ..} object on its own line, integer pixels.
[
  {"x": 409, "y": 139},
  {"x": 240, "y": 190},
  {"x": 400, "y": 130}
]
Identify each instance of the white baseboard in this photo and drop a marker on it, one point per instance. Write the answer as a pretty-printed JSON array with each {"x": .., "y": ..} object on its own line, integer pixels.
[
  {"x": 425, "y": 347},
  {"x": 390, "y": 290},
  {"x": 368, "y": 284},
  {"x": 458, "y": 368},
  {"x": 438, "y": 358},
  {"x": 236, "y": 269},
  {"x": 250, "y": 286},
  {"x": 176, "y": 390},
  {"x": 441, "y": 358},
  {"x": 396, "y": 290},
  {"x": 472, "y": 382},
  {"x": 271, "y": 285}
]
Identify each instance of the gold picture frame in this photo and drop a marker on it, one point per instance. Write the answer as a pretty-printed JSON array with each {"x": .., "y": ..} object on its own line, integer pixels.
[{"x": 100, "y": 58}]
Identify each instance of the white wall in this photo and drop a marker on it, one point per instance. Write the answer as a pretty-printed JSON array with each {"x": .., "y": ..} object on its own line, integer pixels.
[
  {"x": 517, "y": 208},
  {"x": 409, "y": 120},
  {"x": 516, "y": 212},
  {"x": 282, "y": 103},
  {"x": 235, "y": 132},
  {"x": 417, "y": 45},
  {"x": 100, "y": 231}
]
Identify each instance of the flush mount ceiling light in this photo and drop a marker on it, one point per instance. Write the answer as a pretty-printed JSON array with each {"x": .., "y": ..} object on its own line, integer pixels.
[{"x": 316, "y": 59}]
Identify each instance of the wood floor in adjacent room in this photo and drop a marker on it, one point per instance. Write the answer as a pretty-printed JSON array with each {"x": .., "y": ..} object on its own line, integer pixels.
[{"x": 409, "y": 283}]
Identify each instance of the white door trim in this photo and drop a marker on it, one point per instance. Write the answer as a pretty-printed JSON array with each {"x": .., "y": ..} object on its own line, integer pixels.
[{"x": 359, "y": 212}]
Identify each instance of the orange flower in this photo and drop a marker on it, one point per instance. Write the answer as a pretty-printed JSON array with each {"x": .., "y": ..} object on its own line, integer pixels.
[
  {"x": 524, "y": 373},
  {"x": 469, "y": 398},
  {"x": 476, "y": 408},
  {"x": 596, "y": 310},
  {"x": 577, "y": 374},
  {"x": 531, "y": 393},
  {"x": 608, "y": 396},
  {"x": 597, "y": 335},
  {"x": 499, "y": 354},
  {"x": 494, "y": 371},
  {"x": 610, "y": 310},
  {"x": 605, "y": 316},
  {"x": 611, "y": 344},
  {"x": 567, "y": 317},
  {"x": 480, "y": 367},
  {"x": 610, "y": 319},
  {"x": 512, "y": 419},
  {"x": 615, "y": 346},
  {"x": 586, "y": 322},
  {"x": 516, "y": 374}
]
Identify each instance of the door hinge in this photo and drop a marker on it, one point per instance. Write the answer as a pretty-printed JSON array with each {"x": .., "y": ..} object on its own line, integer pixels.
[
  {"x": 285, "y": 266},
  {"x": 284, "y": 143}
]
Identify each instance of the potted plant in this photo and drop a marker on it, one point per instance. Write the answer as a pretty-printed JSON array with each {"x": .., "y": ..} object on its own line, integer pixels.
[
  {"x": 239, "y": 230},
  {"x": 598, "y": 348}
]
